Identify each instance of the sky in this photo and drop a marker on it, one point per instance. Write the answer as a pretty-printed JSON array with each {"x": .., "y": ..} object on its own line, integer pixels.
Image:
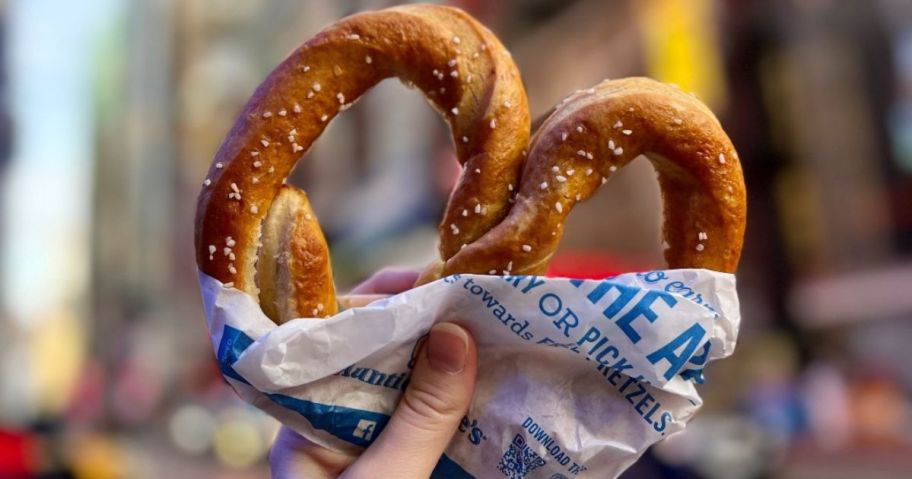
[{"x": 47, "y": 196}]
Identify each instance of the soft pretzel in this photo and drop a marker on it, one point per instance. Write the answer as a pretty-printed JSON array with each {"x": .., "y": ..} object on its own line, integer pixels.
[
  {"x": 293, "y": 268},
  {"x": 587, "y": 138},
  {"x": 464, "y": 72}
]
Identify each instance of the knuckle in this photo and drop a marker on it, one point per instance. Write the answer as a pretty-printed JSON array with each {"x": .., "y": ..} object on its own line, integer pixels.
[{"x": 429, "y": 407}]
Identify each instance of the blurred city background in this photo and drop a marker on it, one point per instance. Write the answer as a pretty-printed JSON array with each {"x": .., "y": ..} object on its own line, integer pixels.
[{"x": 110, "y": 112}]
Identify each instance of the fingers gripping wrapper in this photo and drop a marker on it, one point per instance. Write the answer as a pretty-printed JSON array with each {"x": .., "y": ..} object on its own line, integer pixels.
[
  {"x": 585, "y": 141},
  {"x": 261, "y": 237}
]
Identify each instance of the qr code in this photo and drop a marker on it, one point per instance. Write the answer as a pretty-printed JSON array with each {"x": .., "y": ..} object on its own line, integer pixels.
[{"x": 519, "y": 459}]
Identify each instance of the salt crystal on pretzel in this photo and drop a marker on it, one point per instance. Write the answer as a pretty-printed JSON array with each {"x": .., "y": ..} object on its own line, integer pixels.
[
  {"x": 337, "y": 66},
  {"x": 701, "y": 180}
]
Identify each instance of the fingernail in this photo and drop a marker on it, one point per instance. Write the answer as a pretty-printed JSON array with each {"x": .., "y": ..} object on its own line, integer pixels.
[{"x": 447, "y": 345}]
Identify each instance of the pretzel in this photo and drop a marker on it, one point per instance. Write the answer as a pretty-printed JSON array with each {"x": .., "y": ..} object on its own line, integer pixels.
[
  {"x": 465, "y": 73},
  {"x": 583, "y": 143}
]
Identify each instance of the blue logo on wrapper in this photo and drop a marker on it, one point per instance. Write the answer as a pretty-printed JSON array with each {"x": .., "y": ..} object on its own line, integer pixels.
[{"x": 355, "y": 426}]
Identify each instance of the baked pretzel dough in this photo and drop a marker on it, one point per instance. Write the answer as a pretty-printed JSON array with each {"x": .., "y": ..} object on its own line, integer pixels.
[
  {"x": 587, "y": 138},
  {"x": 464, "y": 72},
  {"x": 294, "y": 258}
]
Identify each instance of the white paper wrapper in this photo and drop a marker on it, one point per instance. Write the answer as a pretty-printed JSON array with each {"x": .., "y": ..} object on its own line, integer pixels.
[{"x": 576, "y": 377}]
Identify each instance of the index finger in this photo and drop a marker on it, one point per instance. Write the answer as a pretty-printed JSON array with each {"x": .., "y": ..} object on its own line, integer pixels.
[
  {"x": 387, "y": 281},
  {"x": 358, "y": 300}
]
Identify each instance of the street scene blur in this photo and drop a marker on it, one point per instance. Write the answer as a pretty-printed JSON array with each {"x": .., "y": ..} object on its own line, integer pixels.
[{"x": 111, "y": 111}]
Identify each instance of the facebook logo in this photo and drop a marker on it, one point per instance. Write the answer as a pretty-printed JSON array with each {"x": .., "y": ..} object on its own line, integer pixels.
[{"x": 365, "y": 429}]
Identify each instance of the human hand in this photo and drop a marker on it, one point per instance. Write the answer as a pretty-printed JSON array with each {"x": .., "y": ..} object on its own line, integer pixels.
[{"x": 423, "y": 423}]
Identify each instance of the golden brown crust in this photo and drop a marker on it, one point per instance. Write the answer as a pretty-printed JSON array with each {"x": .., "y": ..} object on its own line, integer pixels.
[
  {"x": 590, "y": 136},
  {"x": 460, "y": 66},
  {"x": 293, "y": 268}
]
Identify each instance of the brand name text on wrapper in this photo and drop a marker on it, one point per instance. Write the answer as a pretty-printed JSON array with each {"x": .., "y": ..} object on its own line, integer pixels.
[
  {"x": 397, "y": 381},
  {"x": 630, "y": 310},
  {"x": 627, "y": 308}
]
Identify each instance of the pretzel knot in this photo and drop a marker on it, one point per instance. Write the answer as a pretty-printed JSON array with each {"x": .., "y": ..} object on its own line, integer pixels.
[
  {"x": 584, "y": 142},
  {"x": 260, "y": 236}
]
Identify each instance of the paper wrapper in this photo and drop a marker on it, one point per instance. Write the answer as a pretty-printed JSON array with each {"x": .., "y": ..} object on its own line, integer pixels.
[{"x": 576, "y": 378}]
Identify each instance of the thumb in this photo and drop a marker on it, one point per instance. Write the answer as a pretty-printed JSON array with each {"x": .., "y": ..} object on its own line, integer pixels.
[{"x": 434, "y": 403}]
